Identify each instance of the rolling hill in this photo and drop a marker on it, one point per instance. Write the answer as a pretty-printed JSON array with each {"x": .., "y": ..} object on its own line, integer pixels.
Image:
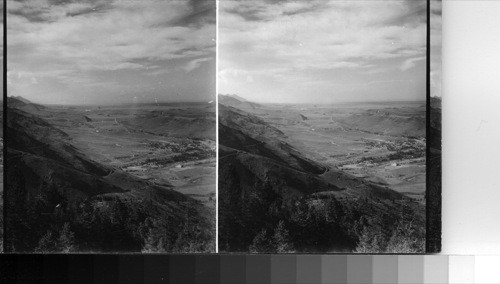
[
  {"x": 388, "y": 122},
  {"x": 186, "y": 122},
  {"x": 237, "y": 101}
]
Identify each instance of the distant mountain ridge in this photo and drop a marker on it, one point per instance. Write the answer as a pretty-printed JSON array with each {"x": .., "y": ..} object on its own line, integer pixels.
[
  {"x": 23, "y": 104},
  {"x": 19, "y": 98}
]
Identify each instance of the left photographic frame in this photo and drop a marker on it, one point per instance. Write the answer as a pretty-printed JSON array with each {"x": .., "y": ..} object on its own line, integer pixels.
[{"x": 111, "y": 123}]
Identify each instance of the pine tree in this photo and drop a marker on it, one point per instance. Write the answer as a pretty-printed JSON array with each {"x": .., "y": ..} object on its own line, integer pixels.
[
  {"x": 66, "y": 240},
  {"x": 46, "y": 243},
  {"x": 281, "y": 239},
  {"x": 369, "y": 241},
  {"x": 261, "y": 243}
]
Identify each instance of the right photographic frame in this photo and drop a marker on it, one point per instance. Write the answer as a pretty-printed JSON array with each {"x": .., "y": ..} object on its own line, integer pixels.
[{"x": 329, "y": 126}]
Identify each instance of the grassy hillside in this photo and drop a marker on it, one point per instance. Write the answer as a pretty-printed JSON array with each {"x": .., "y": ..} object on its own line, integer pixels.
[
  {"x": 237, "y": 101},
  {"x": 389, "y": 122},
  {"x": 180, "y": 122}
]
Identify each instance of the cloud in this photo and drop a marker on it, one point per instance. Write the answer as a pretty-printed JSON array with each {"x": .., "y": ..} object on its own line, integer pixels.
[
  {"x": 103, "y": 41},
  {"x": 337, "y": 31},
  {"x": 410, "y": 63},
  {"x": 276, "y": 40},
  {"x": 194, "y": 64},
  {"x": 95, "y": 40}
]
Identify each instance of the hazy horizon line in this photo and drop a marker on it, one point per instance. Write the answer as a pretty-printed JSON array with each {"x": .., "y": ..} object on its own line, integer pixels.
[
  {"x": 329, "y": 103},
  {"x": 114, "y": 104}
]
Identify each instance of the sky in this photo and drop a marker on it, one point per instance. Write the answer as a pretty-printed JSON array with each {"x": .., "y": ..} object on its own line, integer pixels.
[
  {"x": 112, "y": 51},
  {"x": 436, "y": 47},
  {"x": 320, "y": 51}
]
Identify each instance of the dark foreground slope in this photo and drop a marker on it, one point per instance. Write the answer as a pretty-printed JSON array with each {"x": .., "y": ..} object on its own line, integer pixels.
[
  {"x": 60, "y": 200},
  {"x": 273, "y": 199}
]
